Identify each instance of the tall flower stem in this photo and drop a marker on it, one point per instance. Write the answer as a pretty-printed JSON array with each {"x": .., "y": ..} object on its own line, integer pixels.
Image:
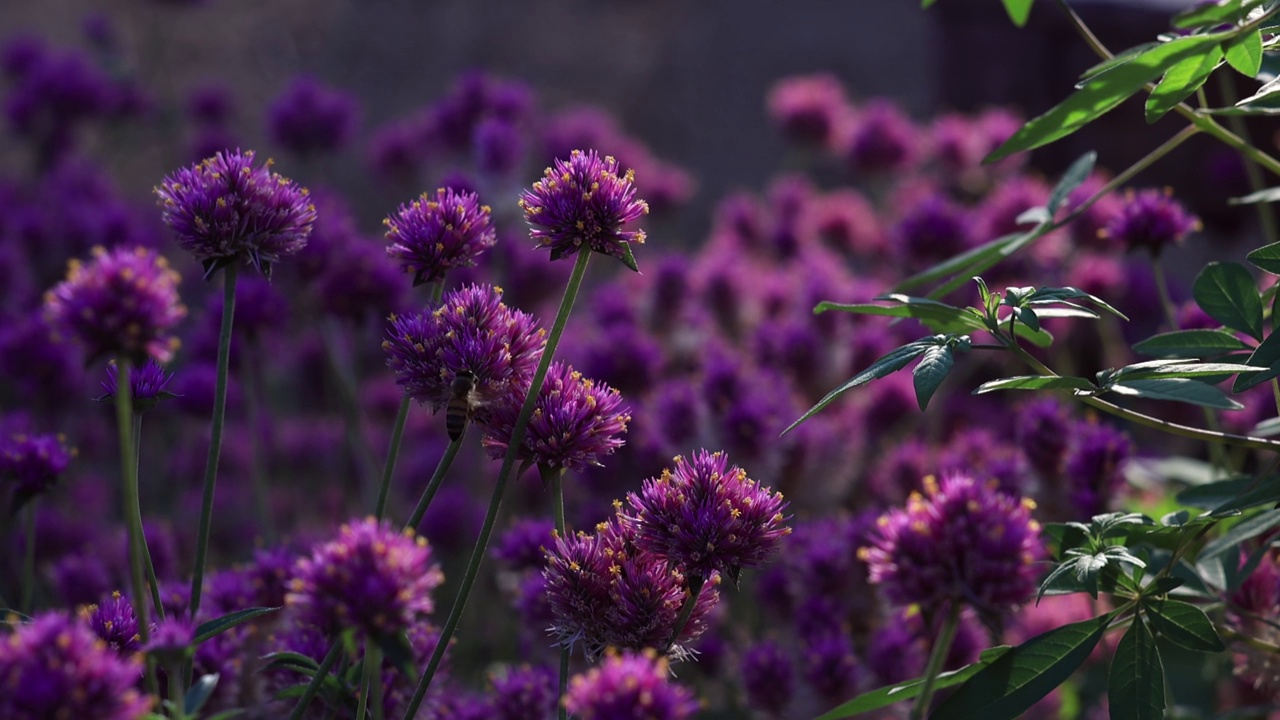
[
  {"x": 695, "y": 589},
  {"x": 215, "y": 433},
  {"x": 437, "y": 477},
  {"x": 369, "y": 678},
  {"x": 557, "y": 504},
  {"x": 317, "y": 680},
  {"x": 177, "y": 691},
  {"x": 132, "y": 510},
  {"x": 29, "y": 560},
  {"x": 153, "y": 582},
  {"x": 941, "y": 646},
  {"x": 504, "y": 474}
]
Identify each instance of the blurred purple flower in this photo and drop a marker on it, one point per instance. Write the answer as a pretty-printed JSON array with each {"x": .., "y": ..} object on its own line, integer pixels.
[
  {"x": 434, "y": 234},
  {"x": 629, "y": 686},
  {"x": 523, "y": 546},
  {"x": 1094, "y": 470},
  {"x": 880, "y": 139},
  {"x": 1150, "y": 219},
  {"x": 933, "y": 230},
  {"x": 498, "y": 147},
  {"x": 33, "y": 463},
  {"x": 523, "y": 692},
  {"x": 309, "y": 117},
  {"x": 807, "y": 108},
  {"x": 768, "y": 677},
  {"x": 113, "y": 621}
]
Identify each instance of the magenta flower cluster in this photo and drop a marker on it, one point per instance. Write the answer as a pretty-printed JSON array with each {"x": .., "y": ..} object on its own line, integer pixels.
[
  {"x": 439, "y": 232},
  {"x": 629, "y": 686},
  {"x": 963, "y": 542},
  {"x": 226, "y": 209},
  {"x": 123, "y": 303}
]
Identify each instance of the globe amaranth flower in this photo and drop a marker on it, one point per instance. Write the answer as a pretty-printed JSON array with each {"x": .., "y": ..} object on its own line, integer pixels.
[
  {"x": 522, "y": 692},
  {"x": 576, "y": 421},
  {"x": 706, "y": 516},
  {"x": 807, "y": 108},
  {"x": 629, "y": 686},
  {"x": 435, "y": 233},
  {"x": 33, "y": 462},
  {"x": 1150, "y": 219},
  {"x": 524, "y": 545},
  {"x": 582, "y": 203},
  {"x": 606, "y": 592},
  {"x": 225, "y": 209},
  {"x": 880, "y": 139},
  {"x": 55, "y": 667},
  {"x": 113, "y": 621},
  {"x": 472, "y": 331},
  {"x": 147, "y": 385},
  {"x": 310, "y": 117},
  {"x": 768, "y": 677},
  {"x": 1094, "y": 466},
  {"x": 962, "y": 542},
  {"x": 370, "y": 578},
  {"x": 122, "y": 303},
  {"x": 172, "y": 640}
]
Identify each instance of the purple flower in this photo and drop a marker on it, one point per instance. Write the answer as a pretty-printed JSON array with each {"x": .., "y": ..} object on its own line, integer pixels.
[
  {"x": 1089, "y": 230},
  {"x": 576, "y": 422},
  {"x": 210, "y": 104},
  {"x": 933, "y": 230},
  {"x": 880, "y": 139},
  {"x": 55, "y": 667},
  {"x": 957, "y": 144},
  {"x": 172, "y": 639},
  {"x": 309, "y": 117},
  {"x": 33, "y": 462},
  {"x": 1150, "y": 219},
  {"x": 963, "y": 542},
  {"x": 369, "y": 577},
  {"x": 894, "y": 653},
  {"x": 147, "y": 384},
  {"x": 471, "y": 331},
  {"x": 498, "y": 147},
  {"x": 629, "y": 686},
  {"x": 433, "y": 234},
  {"x": 224, "y": 209},
  {"x": 830, "y": 666},
  {"x": 359, "y": 282},
  {"x": 707, "y": 516},
  {"x": 1094, "y": 466},
  {"x": 524, "y": 545},
  {"x": 807, "y": 108},
  {"x": 604, "y": 591},
  {"x": 113, "y": 621},
  {"x": 847, "y": 221},
  {"x": 523, "y": 692},
  {"x": 122, "y": 303},
  {"x": 1043, "y": 431},
  {"x": 584, "y": 202},
  {"x": 55, "y": 93},
  {"x": 768, "y": 677}
]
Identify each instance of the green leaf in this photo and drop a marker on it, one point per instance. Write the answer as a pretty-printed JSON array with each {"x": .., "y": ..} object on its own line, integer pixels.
[
  {"x": 1064, "y": 294},
  {"x": 1265, "y": 356},
  {"x": 228, "y": 621},
  {"x": 930, "y": 372},
  {"x": 294, "y": 661},
  {"x": 1215, "y": 494},
  {"x": 1184, "y": 624},
  {"x": 1018, "y": 10},
  {"x": 1265, "y": 99},
  {"x": 1181, "y": 81},
  {"x": 939, "y": 317},
  {"x": 1266, "y": 257},
  {"x": 890, "y": 694},
  {"x": 1023, "y": 675},
  {"x": 1103, "y": 93},
  {"x": 1245, "y": 54},
  {"x": 958, "y": 263},
  {"x": 1036, "y": 382},
  {"x": 1111, "y": 63},
  {"x": 1191, "y": 343},
  {"x": 1265, "y": 492},
  {"x": 1178, "y": 390},
  {"x": 1224, "y": 11},
  {"x": 1229, "y": 294},
  {"x": 1135, "y": 687},
  {"x": 397, "y": 649},
  {"x": 227, "y": 714},
  {"x": 885, "y": 365},
  {"x": 1073, "y": 178},
  {"x": 1241, "y": 531},
  {"x": 199, "y": 693},
  {"x": 1184, "y": 370}
]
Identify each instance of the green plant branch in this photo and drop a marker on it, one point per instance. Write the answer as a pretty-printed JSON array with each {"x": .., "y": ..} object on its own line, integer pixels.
[{"x": 937, "y": 656}]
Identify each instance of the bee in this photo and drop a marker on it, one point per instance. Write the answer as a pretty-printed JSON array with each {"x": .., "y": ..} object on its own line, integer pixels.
[{"x": 462, "y": 403}]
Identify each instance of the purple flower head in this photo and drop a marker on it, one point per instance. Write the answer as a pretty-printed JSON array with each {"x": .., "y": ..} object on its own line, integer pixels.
[
  {"x": 497, "y": 147},
  {"x": 807, "y": 108},
  {"x": 369, "y": 577},
  {"x": 433, "y": 234},
  {"x": 604, "y": 591},
  {"x": 523, "y": 692},
  {"x": 830, "y": 666},
  {"x": 998, "y": 215},
  {"x": 55, "y": 667},
  {"x": 224, "y": 209},
  {"x": 33, "y": 463},
  {"x": 706, "y": 516},
  {"x": 113, "y": 621},
  {"x": 524, "y": 545},
  {"x": 1094, "y": 468},
  {"x": 210, "y": 104},
  {"x": 1089, "y": 230},
  {"x": 397, "y": 150},
  {"x": 147, "y": 384},
  {"x": 963, "y": 542},
  {"x": 471, "y": 331},
  {"x": 768, "y": 677},
  {"x": 80, "y": 578},
  {"x": 584, "y": 202},
  {"x": 360, "y": 282},
  {"x": 53, "y": 95},
  {"x": 173, "y": 639},
  {"x": 629, "y": 686},
  {"x": 894, "y": 653},
  {"x": 933, "y": 230},
  {"x": 958, "y": 145},
  {"x": 576, "y": 422},
  {"x": 122, "y": 303},
  {"x": 676, "y": 413},
  {"x": 1043, "y": 431},
  {"x": 624, "y": 356},
  {"x": 846, "y": 221},
  {"x": 269, "y": 575},
  {"x": 880, "y": 139},
  {"x": 309, "y": 117},
  {"x": 21, "y": 53},
  {"x": 1151, "y": 219},
  {"x": 1097, "y": 274}
]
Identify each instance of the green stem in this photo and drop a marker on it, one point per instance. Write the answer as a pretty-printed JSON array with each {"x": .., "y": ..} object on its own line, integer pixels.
[
  {"x": 695, "y": 588},
  {"x": 504, "y": 474},
  {"x": 317, "y": 680},
  {"x": 176, "y": 692},
  {"x": 393, "y": 452},
  {"x": 370, "y": 677},
  {"x": 1162, "y": 289},
  {"x": 29, "y": 560},
  {"x": 132, "y": 510},
  {"x": 215, "y": 434},
  {"x": 442, "y": 469},
  {"x": 153, "y": 582},
  {"x": 557, "y": 505},
  {"x": 941, "y": 646}
]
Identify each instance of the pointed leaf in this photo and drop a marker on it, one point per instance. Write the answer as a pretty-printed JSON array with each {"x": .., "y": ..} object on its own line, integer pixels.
[
  {"x": 1266, "y": 257},
  {"x": 938, "y": 316},
  {"x": 1178, "y": 390},
  {"x": 958, "y": 263},
  {"x": 1019, "y": 11},
  {"x": 1266, "y": 195},
  {"x": 1135, "y": 686},
  {"x": 1103, "y": 93},
  {"x": 1191, "y": 343},
  {"x": 1185, "y": 624},
  {"x": 1184, "y": 370},
  {"x": 1063, "y": 294},
  {"x": 1215, "y": 494},
  {"x": 1181, "y": 81},
  {"x": 889, "y": 363},
  {"x": 890, "y": 694},
  {"x": 1265, "y": 492},
  {"x": 930, "y": 372},
  {"x": 228, "y": 621},
  {"x": 199, "y": 693},
  {"x": 1229, "y": 294},
  {"x": 1245, "y": 54},
  {"x": 1073, "y": 178},
  {"x": 1036, "y": 382},
  {"x": 1223, "y": 11},
  {"x": 227, "y": 714},
  {"x": 1111, "y": 63},
  {"x": 1244, "y": 530},
  {"x": 1023, "y": 675},
  {"x": 1265, "y": 356}
]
